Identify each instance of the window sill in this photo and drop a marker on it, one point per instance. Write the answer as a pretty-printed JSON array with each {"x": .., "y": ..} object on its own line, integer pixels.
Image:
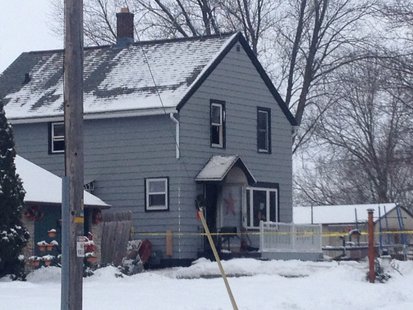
[{"x": 157, "y": 209}]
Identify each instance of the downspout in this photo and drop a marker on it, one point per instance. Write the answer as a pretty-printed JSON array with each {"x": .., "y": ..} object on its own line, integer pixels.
[{"x": 171, "y": 116}]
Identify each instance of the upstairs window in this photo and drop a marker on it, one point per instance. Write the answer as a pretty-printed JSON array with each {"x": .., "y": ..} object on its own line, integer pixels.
[
  {"x": 57, "y": 138},
  {"x": 263, "y": 130},
  {"x": 156, "y": 194},
  {"x": 217, "y": 123}
]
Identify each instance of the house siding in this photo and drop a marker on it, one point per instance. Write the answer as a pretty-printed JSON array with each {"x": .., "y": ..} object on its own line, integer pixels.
[
  {"x": 120, "y": 153},
  {"x": 236, "y": 81}
]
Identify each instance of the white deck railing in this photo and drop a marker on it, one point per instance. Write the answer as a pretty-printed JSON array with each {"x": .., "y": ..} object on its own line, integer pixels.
[{"x": 289, "y": 237}]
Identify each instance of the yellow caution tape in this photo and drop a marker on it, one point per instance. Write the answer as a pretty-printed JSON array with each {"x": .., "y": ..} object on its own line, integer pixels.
[{"x": 273, "y": 233}]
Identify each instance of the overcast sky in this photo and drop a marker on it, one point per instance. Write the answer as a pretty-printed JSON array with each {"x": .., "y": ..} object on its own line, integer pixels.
[{"x": 23, "y": 28}]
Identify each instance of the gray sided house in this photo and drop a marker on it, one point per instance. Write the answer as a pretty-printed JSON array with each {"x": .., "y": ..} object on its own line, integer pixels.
[{"x": 167, "y": 125}]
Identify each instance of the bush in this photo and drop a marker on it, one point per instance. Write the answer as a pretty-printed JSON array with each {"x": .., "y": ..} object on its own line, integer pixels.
[{"x": 13, "y": 236}]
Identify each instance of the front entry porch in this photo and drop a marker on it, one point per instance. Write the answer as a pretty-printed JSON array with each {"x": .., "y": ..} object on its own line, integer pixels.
[
  {"x": 225, "y": 185},
  {"x": 243, "y": 215}
]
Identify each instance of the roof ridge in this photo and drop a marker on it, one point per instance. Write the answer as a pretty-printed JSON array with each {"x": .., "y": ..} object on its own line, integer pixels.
[
  {"x": 183, "y": 39},
  {"x": 145, "y": 42}
]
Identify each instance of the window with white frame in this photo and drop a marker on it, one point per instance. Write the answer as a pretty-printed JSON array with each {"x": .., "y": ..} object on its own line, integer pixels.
[
  {"x": 263, "y": 130},
  {"x": 217, "y": 124},
  {"x": 57, "y": 137},
  {"x": 262, "y": 205},
  {"x": 156, "y": 194}
]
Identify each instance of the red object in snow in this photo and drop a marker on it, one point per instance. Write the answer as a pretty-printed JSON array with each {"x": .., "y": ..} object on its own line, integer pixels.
[{"x": 145, "y": 250}]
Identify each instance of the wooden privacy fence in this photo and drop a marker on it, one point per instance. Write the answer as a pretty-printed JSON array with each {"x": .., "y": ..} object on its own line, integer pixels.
[{"x": 115, "y": 236}]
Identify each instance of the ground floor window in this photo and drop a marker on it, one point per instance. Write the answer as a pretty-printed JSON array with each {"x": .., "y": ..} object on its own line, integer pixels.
[
  {"x": 156, "y": 193},
  {"x": 262, "y": 205}
]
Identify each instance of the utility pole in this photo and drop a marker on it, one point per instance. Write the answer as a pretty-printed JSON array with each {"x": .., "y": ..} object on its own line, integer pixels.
[{"x": 72, "y": 196}]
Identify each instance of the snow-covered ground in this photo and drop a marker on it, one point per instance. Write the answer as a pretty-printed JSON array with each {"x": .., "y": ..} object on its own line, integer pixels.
[{"x": 255, "y": 285}]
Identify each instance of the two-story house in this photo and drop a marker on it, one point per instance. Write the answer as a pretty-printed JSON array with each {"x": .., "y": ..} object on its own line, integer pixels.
[{"x": 166, "y": 123}]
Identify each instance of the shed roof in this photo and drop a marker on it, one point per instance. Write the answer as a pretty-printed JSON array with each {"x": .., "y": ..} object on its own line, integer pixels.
[
  {"x": 217, "y": 168},
  {"x": 339, "y": 214},
  {"x": 119, "y": 80},
  {"x": 42, "y": 186}
]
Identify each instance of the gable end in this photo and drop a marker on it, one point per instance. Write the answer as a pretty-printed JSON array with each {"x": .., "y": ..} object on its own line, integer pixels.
[
  {"x": 209, "y": 70},
  {"x": 240, "y": 38}
]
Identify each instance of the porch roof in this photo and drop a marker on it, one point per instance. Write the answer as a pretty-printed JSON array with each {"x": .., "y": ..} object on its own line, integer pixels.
[
  {"x": 42, "y": 186},
  {"x": 217, "y": 168}
]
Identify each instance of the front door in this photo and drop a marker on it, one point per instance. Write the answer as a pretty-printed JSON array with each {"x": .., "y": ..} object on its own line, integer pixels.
[
  {"x": 223, "y": 212},
  {"x": 211, "y": 198}
]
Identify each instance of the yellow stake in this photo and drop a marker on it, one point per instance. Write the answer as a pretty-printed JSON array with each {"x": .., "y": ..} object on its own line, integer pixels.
[{"x": 214, "y": 250}]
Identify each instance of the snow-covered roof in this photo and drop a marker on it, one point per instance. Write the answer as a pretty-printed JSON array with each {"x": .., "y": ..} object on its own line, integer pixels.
[
  {"x": 218, "y": 166},
  {"x": 45, "y": 187},
  {"x": 122, "y": 81},
  {"x": 339, "y": 214},
  {"x": 115, "y": 79}
]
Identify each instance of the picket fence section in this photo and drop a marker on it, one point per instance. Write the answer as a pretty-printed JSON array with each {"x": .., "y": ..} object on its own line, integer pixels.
[{"x": 290, "y": 237}]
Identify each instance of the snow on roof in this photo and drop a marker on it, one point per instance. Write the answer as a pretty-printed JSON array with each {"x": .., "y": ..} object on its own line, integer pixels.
[
  {"x": 43, "y": 186},
  {"x": 115, "y": 79},
  {"x": 339, "y": 214},
  {"x": 218, "y": 167}
]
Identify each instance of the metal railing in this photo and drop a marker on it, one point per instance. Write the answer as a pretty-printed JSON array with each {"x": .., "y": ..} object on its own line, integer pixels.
[{"x": 289, "y": 237}]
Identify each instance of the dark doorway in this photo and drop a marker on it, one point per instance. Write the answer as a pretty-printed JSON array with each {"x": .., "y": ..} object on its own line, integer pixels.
[{"x": 211, "y": 197}]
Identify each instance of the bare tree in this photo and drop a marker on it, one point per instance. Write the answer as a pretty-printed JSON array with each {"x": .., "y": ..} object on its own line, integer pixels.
[
  {"x": 253, "y": 17},
  {"x": 398, "y": 12},
  {"x": 99, "y": 20},
  {"x": 190, "y": 18},
  {"x": 321, "y": 36},
  {"x": 367, "y": 136},
  {"x": 178, "y": 18},
  {"x": 99, "y": 26},
  {"x": 399, "y": 17}
]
